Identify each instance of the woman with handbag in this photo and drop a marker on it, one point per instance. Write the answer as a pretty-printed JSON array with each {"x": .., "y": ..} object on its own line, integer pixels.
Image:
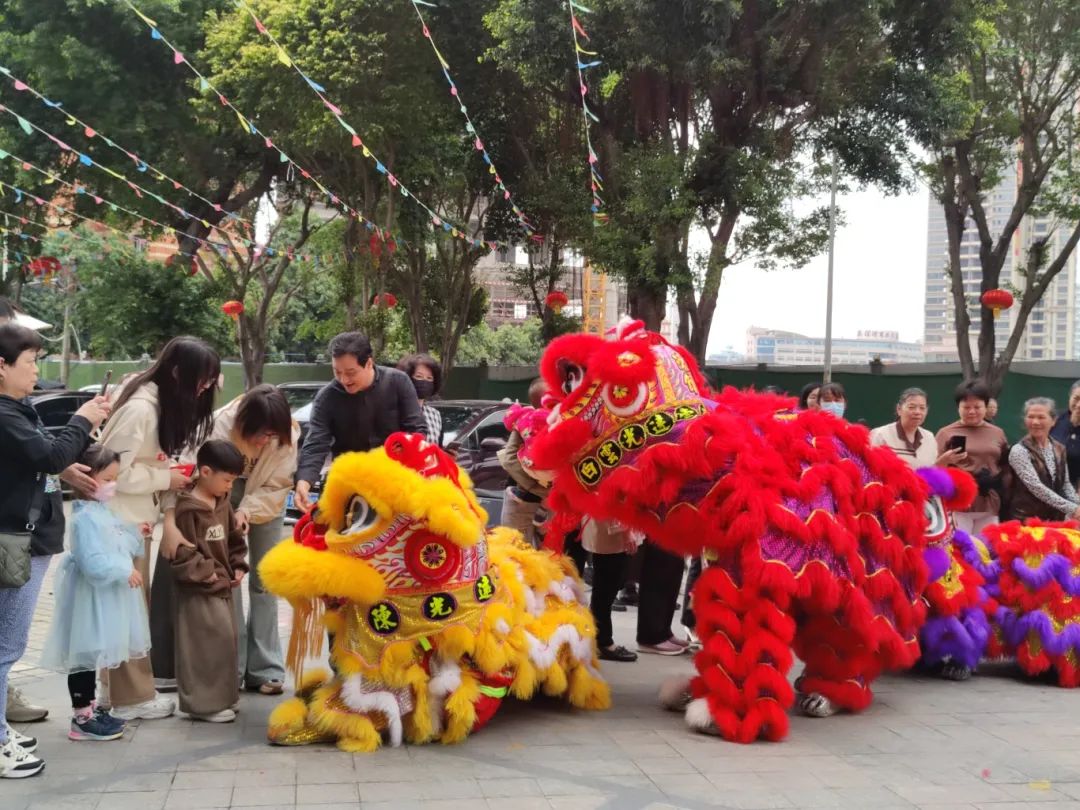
[{"x": 31, "y": 513}]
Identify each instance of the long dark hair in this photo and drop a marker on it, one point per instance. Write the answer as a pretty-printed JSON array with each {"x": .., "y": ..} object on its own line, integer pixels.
[{"x": 184, "y": 416}]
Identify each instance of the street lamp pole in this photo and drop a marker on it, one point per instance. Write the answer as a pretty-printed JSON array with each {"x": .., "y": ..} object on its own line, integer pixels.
[{"x": 827, "y": 376}]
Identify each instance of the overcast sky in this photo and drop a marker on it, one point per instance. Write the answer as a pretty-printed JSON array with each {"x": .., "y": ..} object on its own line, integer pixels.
[{"x": 880, "y": 271}]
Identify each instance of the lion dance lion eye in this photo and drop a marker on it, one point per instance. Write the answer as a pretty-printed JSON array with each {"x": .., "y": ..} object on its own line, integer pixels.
[
  {"x": 359, "y": 516},
  {"x": 626, "y": 400}
]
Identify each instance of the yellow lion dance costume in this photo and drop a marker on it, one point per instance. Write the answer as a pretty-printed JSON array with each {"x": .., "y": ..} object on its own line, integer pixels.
[{"x": 433, "y": 619}]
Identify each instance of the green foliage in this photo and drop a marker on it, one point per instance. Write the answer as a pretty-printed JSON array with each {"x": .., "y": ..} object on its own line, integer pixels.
[
  {"x": 124, "y": 305},
  {"x": 509, "y": 345}
]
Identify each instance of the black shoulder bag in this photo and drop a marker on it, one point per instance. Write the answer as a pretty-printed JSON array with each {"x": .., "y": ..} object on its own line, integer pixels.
[{"x": 15, "y": 546}]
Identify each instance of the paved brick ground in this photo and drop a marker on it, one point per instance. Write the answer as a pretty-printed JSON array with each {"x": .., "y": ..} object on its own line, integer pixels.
[{"x": 995, "y": 742}]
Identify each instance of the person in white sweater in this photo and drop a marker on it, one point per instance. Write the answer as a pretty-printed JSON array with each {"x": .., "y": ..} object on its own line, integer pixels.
[
  {"x": 157, "y": 414},
  {"x": 907, "y": 437}
]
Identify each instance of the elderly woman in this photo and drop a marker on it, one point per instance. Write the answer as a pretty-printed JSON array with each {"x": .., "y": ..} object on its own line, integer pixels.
[
  {"x": 907, "y": 437},
  {"x": 1067, "y": 431},
  {"x": 1041, "y": 487},
  {"x": 30, "y": 465}
]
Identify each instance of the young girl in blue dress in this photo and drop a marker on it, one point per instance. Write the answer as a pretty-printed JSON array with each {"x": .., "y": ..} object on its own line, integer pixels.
[{"x": 100, "y": 620}]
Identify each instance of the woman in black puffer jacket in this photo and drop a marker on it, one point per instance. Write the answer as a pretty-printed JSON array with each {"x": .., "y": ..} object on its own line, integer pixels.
[{"x": 30, "y": 465}]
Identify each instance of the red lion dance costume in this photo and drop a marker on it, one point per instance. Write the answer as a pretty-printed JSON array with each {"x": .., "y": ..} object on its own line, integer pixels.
[{"x": 814, "y": 541}]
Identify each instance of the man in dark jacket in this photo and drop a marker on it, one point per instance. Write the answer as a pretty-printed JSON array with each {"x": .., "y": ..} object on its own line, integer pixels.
[{"x": 357, "y": 411}]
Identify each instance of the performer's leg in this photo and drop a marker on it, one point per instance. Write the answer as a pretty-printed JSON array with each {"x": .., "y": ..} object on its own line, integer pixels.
[
  {"x": 839, "y": 667},
  {"x": 741, "y": 692}
]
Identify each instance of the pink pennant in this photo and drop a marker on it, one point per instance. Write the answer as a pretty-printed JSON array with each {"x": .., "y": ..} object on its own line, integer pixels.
[
  {"x": 436, "y": 220},
  {"x": 584, "y": 89},
  {"x": 453, "y": 92},
  {"x": 356, "y": 141},
  {"x": 498, "y": 179},
  {"x": 20, "y": 86},
  {"x": 269, "y": 143},
  {"x": 177, "y": 57},
  {"x": 392, "y": 179},
  {"x": 577, "y": 26},
  {"x": 175, "y": 185},
  {"x": 332, "y": 107},
  {"x": 26, "y": 166},
  {"x": 479, "y": 144},
  {"x": 217, "y": 207},
  {"x": 39, "y": 201},
  {"x": 305, "y": 173},
  {"x": 224, "y": 101},
  {"x": 98, "y": 200},
  {"x": 506, "y": 195},
  {"x": 90, "y": 133},
  {"x": 259, "y": 25}
]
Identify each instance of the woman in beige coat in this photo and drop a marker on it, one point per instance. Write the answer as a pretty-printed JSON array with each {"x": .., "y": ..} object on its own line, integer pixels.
[{"x": 156, "y": 415}]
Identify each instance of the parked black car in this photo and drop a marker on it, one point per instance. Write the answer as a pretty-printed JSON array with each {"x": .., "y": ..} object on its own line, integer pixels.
[{"x": 473, "y": 432}]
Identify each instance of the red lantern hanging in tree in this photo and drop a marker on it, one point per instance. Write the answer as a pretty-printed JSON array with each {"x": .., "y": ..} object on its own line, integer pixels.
[
  {"x": 233, "y": 309},
  {"x": 45, "y": 266},
  {"x": 997, "y": 300},
  {"x": 556, "y": 300},
  {"x": 388, "y": 300}
]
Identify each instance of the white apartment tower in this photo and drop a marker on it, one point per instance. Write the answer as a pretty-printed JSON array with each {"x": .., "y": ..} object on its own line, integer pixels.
[{"x": 1053, "y": 330}]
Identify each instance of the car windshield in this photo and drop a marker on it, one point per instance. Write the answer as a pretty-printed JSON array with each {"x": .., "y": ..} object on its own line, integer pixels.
[
  {"x": 299, "y": 397},
  {"x": 454, "y": 418}
]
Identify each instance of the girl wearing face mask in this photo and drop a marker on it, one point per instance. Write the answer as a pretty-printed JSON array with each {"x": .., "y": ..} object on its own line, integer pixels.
[
  {"x": 426, "y": 375},
  {"x": 831, "y": 399},
  {"x": 100, "y": 619}
]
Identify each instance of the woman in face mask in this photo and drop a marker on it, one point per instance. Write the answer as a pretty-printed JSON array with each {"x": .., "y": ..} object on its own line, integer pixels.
[
  {"x": 426, "y": 375},
  {"x": 831, "y": 399}
]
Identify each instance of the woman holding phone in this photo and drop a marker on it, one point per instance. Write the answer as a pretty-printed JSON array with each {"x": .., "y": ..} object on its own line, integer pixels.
[
  {"x": 977, "y": 447},
  {"x": 157, "y": 414}
]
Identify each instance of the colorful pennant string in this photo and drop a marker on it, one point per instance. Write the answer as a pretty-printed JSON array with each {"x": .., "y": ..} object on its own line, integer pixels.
[
  {"x": 91, "y": 132},
  {"x": 436, "y": 220},
  {"x": 596, "y": 181},
  {"x": 250, "y": 128},
  {"x": 139, "y": 191},
  {"x": 79, "y": 188},
  {"x": 470, "y": 127}
]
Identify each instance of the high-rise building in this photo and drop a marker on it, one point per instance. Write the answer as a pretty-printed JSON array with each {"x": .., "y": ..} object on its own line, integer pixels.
[{"x": 1053, "y": 329}]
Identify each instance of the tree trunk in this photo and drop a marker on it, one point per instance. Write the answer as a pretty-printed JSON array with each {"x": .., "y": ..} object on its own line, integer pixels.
[
  {"x": 252, "y": 338},
  {"x": 647, "y": 304}
]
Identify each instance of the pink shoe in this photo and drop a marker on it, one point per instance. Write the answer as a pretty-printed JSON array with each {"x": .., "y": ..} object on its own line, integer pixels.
[{"x": 668, "y": 647}]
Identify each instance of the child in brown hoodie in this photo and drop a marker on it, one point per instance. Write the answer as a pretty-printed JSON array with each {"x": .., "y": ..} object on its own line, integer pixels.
[{"x": 205, "y": 575}]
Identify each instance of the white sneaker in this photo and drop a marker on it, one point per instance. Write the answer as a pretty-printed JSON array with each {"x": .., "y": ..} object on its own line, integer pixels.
[
  {"x": 156, "y": 708},
  {"x": 224, "y": 716},
  {"x": 26, "y": 743},
  {"x": 15, "y": 763}
]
